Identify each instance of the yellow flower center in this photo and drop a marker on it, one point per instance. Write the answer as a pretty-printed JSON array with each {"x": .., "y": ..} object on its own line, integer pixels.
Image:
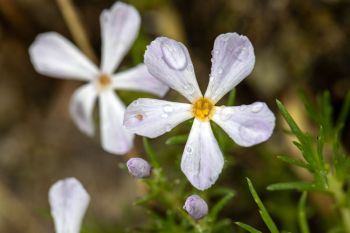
[
  {"x": 203, "y": 109},
  {"x": 104, "y": 81}
]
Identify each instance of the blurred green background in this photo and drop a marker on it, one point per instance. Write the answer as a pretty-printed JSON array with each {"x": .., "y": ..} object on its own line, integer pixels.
[{"x": 299, "y": 45}]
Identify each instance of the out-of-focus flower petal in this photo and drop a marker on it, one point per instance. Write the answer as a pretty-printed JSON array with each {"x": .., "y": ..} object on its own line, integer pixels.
[
  {"x": 69, "y": 201},
  {"x": 82, "y": 106},
  {"x": 196, "y": 207},
  {"x": 202, "y": 160},
  {"x": 152, "y": 118},
  {"x": 115, "y": 138},
  {"x": 170, "y": 62},
  {"x": 139, "y": 168},
  {"x": 53, "y": 55},
  {"x": 139, "y": 79},
  {"x": 233, "y": 59},
  {"x": 247, "y": 125},
  {"x": 119, "y": 28}
]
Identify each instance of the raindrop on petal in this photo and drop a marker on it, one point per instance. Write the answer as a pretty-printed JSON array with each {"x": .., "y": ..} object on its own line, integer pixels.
[
  {"x": 168, "y": 127},
  {"x": 167, "y": 108},
  {"x": 225, "y": 114},
  {"x": 257, "y": 107},
  {"x": 174, "y": 55},
  {"x": 243, "y": 107},
  {"x": 189, "y": 149},
  {"x": 164, "y": 115},
  {"x": 189, "y": 89},
  {"x": 220, "y": 70}
]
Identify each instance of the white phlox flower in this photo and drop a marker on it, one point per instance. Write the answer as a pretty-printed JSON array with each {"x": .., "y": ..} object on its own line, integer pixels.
[
  {"x": 68, "y": 201},
  {"x": 55, "y": 56},
  {"x": 232, "y": 60}
]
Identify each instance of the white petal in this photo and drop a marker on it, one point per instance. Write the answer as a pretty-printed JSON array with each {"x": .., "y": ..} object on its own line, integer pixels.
[
  {"x": 152, "y": 118},
  {"x": 53, "y": 55},
  {"x": 233, "y": 60},
  {"x": 119, "y": 28},
  {"x": 68, "y": 201},
  {"x": 139, "y": 79},
  {"x": 114, "y": 137},
  {"x": 247, "y": 125},
  {"x": 202, "y": 160},
  {"x": 170, "y": 62},
  {"x": 82, "y": 106}
]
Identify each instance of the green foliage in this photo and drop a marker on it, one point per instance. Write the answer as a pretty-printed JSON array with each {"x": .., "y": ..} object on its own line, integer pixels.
[
  {"x": 323, "y": 156},
  {"x": 165, "y": 198},
  {"x": 262, "y": 210},
  {"x": 302, "y": 217}
]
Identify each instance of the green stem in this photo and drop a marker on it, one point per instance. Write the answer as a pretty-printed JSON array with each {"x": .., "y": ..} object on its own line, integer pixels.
[
  {"x": 172, "y": 201},
  {"x": 336, "y": 188}
]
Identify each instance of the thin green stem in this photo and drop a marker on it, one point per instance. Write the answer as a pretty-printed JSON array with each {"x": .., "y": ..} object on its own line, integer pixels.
[{"x": 336, "y": 188}]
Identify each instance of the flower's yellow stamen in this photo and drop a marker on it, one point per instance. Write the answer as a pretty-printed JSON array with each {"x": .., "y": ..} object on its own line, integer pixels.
[
  {"x": 104, "y": 80},
  {"x": 203, "y": 109}
]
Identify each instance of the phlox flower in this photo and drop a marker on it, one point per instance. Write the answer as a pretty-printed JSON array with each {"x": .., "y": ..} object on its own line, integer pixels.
[
  {"x": 55, "y": 56},
  {"x": 232, "y": 60},
  {"x": 68, "y": 201}
]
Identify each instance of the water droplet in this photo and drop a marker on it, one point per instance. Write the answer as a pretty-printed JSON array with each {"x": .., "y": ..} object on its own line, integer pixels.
[
  {"x": 189, "y": 149},
  {"x": 225, "y": 114},
  {"x": 211, "y": 77},
  {"x": 135, "y": 103},
  {"x": 242, "y": 54},
  {"x": 220, "y": 70},
  {"x": 189, "y": 88},
  {"x": 245, "y": 133},
  {"x": 190, "y": 68},
  {"x": 257, "y": 107},
  {"x": 164, "y": 115},
  {"x": 243, "y": 107},
  {"x": 168, "y": 127},
  {"x": 212, "y": 60},
  {"x": 167, "y": 108},
  {"x": 174, "y": 54}
]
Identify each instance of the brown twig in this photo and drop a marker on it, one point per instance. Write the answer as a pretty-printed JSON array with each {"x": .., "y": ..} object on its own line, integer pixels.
[{"x": 76, "y": 28}]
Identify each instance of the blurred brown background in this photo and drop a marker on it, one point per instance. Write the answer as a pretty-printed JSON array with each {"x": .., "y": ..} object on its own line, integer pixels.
[{"x": 298, "y": 44}]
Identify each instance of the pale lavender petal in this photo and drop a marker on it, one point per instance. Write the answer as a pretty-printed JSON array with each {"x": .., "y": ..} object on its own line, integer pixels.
[
  {"x": 247, "y": 125},
  {"x": 170, "y": 62},
  {"x": 139, "y": 79},
  {"x": 68, "y": 201},
  {"x": 119, "y": 28},
  {"x": 53, "y": 55},
  {"x": 152, "y": 117},
  {"x": 115, "y": 138},
  {"x": 202, "y": 159},
  {"x": 233, "y": 59},
  {"x": 82, "y": 106}
]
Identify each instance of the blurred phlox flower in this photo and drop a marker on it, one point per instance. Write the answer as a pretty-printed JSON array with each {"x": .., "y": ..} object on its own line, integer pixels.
[
  {"x": 68, "y": 201},
  {"x": 55, "y": 56},
  {"x": 232, "y": 60}
]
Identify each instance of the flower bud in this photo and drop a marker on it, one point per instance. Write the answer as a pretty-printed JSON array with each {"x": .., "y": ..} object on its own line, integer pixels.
[
  {"x": 139, "y": 167},
  {"x": 196, "y": 207}
]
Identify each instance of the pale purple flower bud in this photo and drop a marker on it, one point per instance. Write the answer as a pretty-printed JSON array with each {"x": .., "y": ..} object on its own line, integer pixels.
[
  {"x": 196, "y": 207},
  {"x": 139, "y": 167}
]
